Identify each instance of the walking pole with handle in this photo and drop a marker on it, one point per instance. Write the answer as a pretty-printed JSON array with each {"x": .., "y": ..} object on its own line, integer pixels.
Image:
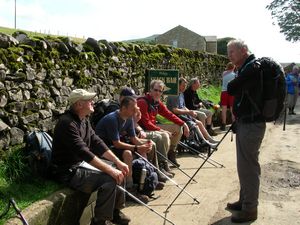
[
  {"x": 215, "y": 149},
  {"x": 182, "y": 190},
  {"x": 142, "y": 203},
  {"x": 175, "y": 165}
]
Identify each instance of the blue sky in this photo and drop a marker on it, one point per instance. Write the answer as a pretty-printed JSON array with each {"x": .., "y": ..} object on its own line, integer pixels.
[{"x": 116, "y": 20}]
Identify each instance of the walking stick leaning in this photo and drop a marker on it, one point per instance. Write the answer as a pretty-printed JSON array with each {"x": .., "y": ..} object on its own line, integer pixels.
[
  {"x": 166, "y": 158},
  {"x": 213, "y": 150},
  {"x": 182, "y": 190},
  {"x": 142, "y": 203}
]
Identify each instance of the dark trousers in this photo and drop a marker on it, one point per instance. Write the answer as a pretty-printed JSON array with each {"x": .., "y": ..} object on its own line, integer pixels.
[
  {"x": 108, "y": 196},
  {"x": 248, "y": 140}
]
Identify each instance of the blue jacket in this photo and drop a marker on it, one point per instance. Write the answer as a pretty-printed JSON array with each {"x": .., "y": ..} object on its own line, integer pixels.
[{"x": 291, "y": 82}]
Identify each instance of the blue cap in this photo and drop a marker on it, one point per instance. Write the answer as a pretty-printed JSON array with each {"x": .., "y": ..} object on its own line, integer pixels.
[{"x": 127, "y": 91}]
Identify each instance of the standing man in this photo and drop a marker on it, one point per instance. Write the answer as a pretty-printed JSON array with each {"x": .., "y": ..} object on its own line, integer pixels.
[
  {"x": 150, "y": 106},
  {"x": 193, "y": 102},
  {"x": 75, "y": 142},
  {"x": 292, "y": 89},
  {"x": 250, "y": 129}
]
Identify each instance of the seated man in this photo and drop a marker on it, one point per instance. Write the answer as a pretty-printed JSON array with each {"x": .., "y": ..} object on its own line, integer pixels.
[
  {"x": 150, "y": 106},
  {"x": 161, "y": 139},
  {"x": 74, "y": 141},
  {"x": 176, "y": 104},
  {"x": 193, "y": 102},
  {"x": 115, "y": 129}
]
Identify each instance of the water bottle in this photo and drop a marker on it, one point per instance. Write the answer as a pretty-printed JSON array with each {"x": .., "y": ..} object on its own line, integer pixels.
[{"x": 142, "y": 178}]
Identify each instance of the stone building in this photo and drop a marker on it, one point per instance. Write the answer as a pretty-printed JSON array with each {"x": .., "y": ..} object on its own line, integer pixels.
[{"x": 182, "y": 37}]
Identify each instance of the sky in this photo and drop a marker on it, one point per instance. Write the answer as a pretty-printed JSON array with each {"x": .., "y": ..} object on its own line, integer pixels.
[{"x": 117, "y": 20}]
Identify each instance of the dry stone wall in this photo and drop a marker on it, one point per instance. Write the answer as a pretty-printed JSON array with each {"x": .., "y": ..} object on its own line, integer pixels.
[{"x": 37, "y": 75}]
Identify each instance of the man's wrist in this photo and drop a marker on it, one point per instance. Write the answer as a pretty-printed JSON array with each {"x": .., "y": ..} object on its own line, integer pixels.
[{"x": 135, "y": 148}]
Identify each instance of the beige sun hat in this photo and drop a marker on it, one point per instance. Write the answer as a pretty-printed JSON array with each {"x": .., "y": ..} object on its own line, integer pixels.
[{"x": 80, "y": 94}]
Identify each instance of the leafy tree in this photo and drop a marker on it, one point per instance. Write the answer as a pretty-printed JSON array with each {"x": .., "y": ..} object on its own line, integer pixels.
[
  {"x": 287, "y": 13},
  {"x": 222, "y": 45}
]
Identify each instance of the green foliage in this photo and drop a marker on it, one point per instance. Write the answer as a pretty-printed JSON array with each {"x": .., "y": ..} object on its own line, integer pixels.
[
  {"x": 287, "y": 14},
  {"x": 13, "y": 165},
  {"x": 222, "y": 45},
  {"x": 17, "y": 182},
  {"x": 210, "y": 92}
]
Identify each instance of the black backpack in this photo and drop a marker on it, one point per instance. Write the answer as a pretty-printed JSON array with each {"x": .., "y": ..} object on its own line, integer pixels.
[
  {"x": 273, "y": 89},
  {"x": 151, "y": 179},
  {"x": 38, "y": 152},
  {"x": 102, "y": 108}
]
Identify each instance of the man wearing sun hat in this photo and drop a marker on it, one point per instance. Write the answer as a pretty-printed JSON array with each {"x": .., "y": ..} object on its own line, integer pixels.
[{"x": 76, "y": 147}]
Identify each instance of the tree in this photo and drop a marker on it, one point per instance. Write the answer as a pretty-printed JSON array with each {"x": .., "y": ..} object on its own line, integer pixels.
[
  {"x": 287, "y": 13},
  {"x": 222, "y": 45}
]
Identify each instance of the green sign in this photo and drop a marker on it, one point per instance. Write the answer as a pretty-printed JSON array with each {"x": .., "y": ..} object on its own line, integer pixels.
[{"x": 169, "y": 77}]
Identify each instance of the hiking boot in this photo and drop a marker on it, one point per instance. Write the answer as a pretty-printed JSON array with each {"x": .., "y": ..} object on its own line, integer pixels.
[
  {"x": 167, "y": 169},
  {"x": 160, "y": 186},
  {"x": 141, "y": 197},
  {"x": 161, "y": 177},
  {"x": 172, "y": 157},
  {"x": 211, "y": 132},
  {"x": 170, "y": 175},
  {"x": 223, "y": 127},
  {"x": 120, "y": 218},
  {"x": 100, "y": 222},
  {"x": 237, "y": 206},
  {"x": 244, "y": 216}
]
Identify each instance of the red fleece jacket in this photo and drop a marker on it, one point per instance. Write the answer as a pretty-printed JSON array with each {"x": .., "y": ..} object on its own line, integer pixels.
[{"x": 148, "y": 120}]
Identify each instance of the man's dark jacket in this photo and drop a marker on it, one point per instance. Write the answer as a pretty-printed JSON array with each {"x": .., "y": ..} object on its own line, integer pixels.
[{"x": 247, "y": 86}]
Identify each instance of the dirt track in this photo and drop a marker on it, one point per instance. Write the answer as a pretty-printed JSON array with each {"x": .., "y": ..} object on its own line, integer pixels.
[{"x": 279, "y": 192}]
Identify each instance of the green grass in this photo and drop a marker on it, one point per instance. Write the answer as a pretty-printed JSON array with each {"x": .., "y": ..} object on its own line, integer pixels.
[
  {"x": 211, "y": 93},
  {"x": 10, "y": 31},
  {"x": 17, "y": 182}
]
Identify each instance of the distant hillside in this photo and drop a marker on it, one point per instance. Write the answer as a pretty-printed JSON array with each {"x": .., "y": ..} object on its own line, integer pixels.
[
  {"x": 150, "y": 39},
  {"x": 10, "y": 31}
]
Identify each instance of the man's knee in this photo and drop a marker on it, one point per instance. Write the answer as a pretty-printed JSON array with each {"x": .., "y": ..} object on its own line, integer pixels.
[{"x": 127, "y": 156}]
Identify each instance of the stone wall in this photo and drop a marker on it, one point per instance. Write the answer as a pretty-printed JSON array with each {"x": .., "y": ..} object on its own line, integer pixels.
[{"x": 37, "y": 75}]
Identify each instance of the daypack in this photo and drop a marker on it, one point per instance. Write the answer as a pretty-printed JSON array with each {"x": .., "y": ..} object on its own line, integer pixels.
[
  {"x": 39, "y": 151},
  {"x": 151, "y": 179},
  {"x": 273, "y": 89},
  {"x": 102, "y": 108}
]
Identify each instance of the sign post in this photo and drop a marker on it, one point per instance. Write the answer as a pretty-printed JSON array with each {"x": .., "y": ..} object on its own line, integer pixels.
[{"x": 169, "y": 77}]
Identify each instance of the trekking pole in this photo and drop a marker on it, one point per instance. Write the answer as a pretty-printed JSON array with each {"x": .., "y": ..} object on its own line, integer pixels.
[
  {"x": 195, "y": 199},
  {"x": 198, "y": 170},
  {"x": 142, "y": 203},
  {"x": 12, "y": 201},
  {"x": 175, "y": 165},
  {"x": 200, "y": 155}
]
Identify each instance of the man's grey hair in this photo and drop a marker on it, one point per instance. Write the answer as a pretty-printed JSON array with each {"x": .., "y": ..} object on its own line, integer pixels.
[
  {"x": 159, "y": 82},
  {"x": 239, "y": 44},
  {"x": 193, "y": 81}
]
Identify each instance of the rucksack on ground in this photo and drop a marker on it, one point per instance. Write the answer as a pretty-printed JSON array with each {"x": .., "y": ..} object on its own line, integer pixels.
[
  {"x": 273, "y": 88},
  {"x": 151, "y": 179},
  {"x": 102, "y": 108},
  {"x": 39, "y": 151}
]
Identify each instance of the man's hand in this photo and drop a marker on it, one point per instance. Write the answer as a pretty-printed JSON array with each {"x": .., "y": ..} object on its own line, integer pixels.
[
  {"x": 142, "y": 134},
  {"x": 192, "y": 113},
  {"x": 144, "y": 148},
  {"x": 117, "y": 175},
  {"x": 123, "y": 167}
]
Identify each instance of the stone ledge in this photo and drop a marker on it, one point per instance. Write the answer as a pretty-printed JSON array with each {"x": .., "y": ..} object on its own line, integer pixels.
[{"x": 64, "y": 207}]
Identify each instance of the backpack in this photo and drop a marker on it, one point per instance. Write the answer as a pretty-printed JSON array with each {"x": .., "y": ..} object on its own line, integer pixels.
[
  {"x": 273, "y": 89},
  {"x": 151, "y": 179},
  {"x": 102, "y": 108},
  {"x": 39, "y": 151}
]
